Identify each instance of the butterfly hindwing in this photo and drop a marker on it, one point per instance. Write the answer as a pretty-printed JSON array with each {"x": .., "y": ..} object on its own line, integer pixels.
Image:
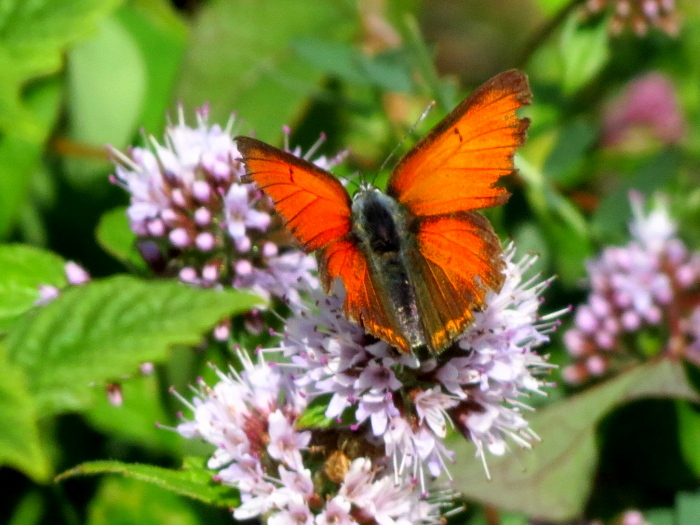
[
  {"x": 364, "y": 303},
  {"x": 457, "y": 261},
  {"x": 454, "y": 167},
  {"x": 313, "y": 203}
]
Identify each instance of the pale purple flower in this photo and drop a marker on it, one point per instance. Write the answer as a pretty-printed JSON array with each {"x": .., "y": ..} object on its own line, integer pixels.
[
  {"x": 648, "y": 104},
  {"x": 477, "y": 390},
  {"x": 196, "y": 219},
  {"x": 285, "y": 442},
  {"x": 648, "y": 282},
  {"x": 637, "y": 15}
]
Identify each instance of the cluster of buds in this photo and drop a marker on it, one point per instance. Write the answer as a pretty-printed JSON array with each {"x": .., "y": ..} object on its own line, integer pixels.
[
  {"x": 648, "y": 108},
  {"x": 650, "y": 282},
  {"x": 375, "y": 419},
  {"x": 196, "y": 218},
  {"x": 639, "y": 15}
]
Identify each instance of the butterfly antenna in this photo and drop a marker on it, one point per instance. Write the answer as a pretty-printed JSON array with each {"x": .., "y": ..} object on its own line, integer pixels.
[{"x": 410, "y": 131}]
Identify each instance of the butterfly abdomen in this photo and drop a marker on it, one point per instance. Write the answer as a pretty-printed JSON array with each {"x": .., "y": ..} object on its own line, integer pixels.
[{"x": 379, "y": 227}]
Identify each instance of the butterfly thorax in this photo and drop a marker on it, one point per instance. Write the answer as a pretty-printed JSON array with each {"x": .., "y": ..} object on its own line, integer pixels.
[{"x": 382, "y": 229}]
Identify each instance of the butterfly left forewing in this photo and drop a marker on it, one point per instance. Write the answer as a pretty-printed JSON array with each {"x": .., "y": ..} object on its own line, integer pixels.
[
  {"x": 313, "y": 203},
  {"x": 455, "y": 262}
]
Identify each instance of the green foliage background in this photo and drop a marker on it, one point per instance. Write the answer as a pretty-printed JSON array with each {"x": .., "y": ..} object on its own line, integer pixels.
[{"x": 77, "y": 75}]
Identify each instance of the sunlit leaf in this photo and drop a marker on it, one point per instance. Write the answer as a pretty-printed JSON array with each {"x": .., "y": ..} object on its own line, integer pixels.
[
  {"x": 553, "y": 480},
  {"x": 20, "y": 443},
  {"x": 104, "y": 329},
  {"x": 584, "y": 49},
  {"x": 194, "y": 480},
  {"x": 22, "y": 270}
]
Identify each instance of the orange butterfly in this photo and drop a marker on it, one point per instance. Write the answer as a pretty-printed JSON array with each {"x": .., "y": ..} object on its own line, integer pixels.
[{"x": 416, "y": 261}]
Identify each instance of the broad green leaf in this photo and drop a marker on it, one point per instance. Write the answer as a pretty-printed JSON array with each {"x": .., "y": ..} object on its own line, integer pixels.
[
  {"x": 135, "y": 419},
  {"x": 315, "y": 414},
  {"x": 107, "y": 86},
  {"x": 29, "y": 510},
  {"x": 241, "y": 59},
  {"x": 614, "y": 211},
  {"x": 563, "y": 165},
  {"x": 22, "y": 270},
  {"x": 116, "y": 237},
  {"x": 386, "y": 71},
  {"x": 688, "y": 508},
  {"x": 553, "y": 480},
  {"x": 549, "y": 7},
  {"x": 121, "y": 500},
  {"x": 104, "y": 329},
  {"x": 689, "y": 434},
  {"x": 194, "y": 480},
  {"x": 161, "y": 37},
  {"x": 584, "y": 51},
  {"x": 21, "y": 153},
  {"x": 20, "y": 444},
  {"x": 33, "y": 38}
]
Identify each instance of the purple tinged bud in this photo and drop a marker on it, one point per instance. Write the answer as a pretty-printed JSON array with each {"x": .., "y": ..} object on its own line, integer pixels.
[
  {"x": 611, "y": 325},
  {"x": 222, "y": 332},
  {"x": 146, "y": 368},
  {"x": 653, "y": 315},
  {"x": 202, "y": 216},
  {"x": 651, "y": 9},
  {"x": 156, "y": 228},
  {"x": 243, "y": 244},
  {"x": 631, "y": 320},
  {"x": 243, "y": 267},
  {"x": 205, "y": 241},
  {"x": 178, "y": 197},
  {"x": 170, "y": 216},
  {"x": 180, "y": 238},
  {"x": 76, "y": 274},
  {"x": 686, "y": 275},
  {"x": 114, "y": 394},
  {"x": 573, "y": 374},
  {"x": 269, "y": 249},
  {"x": 139, "y": 228},
  {"x": 604, "y": 340},
  {"x": 596, "y": 365},
  {"x": 575, "y": 342},
  {"x": 585, "y": 320},
  {"x": 622, "y": 299},
  {"x": 599, "y": 305},
  {"x": 201, "y": 191},
  {"x": 188, "y": 274},
  {"x": 47, "y": 293},
  {"x": 210, "y": 272}
]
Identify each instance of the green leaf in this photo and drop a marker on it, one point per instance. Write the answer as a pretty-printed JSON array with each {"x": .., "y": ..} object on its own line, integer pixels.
[
  {"x": 22, "y": 270},
  {"x": 29, "y": 510},
  {"x": 116, "y": 237},
  {"x": 33, "y": 38},
  {"x": 614, "y": 211},
  {"x": 160, "y": 35},
  {"x": 121, "y": 501},
  {"x": 107, "y": 86},
  {"x": 21, "y": 154},
  {"x": 240, "y": 58},
  {"x": 688, "y": 508},
  {"x": 689, "y": 434},
  {"x": 134, "y": 419},
  {"x": 315, "y": 414},
  {"x": 386, "y": 71},
  {"x": 194, "y": 480},
  {"x": 20, "y": 445},
  {"x": 102, "y": 330},
  {"x": 553, "y": 480},
  {"x": 563, "y": 165},
  {"x": 584, "y": 51}
]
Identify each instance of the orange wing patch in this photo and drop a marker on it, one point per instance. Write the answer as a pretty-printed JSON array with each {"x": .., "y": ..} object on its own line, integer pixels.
[
  {"x": 457, "y": 261},
  {"x": 454, "y": 167},
  {"x": 363, "y": 303},
  {"x": 313, "y": 203}
]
